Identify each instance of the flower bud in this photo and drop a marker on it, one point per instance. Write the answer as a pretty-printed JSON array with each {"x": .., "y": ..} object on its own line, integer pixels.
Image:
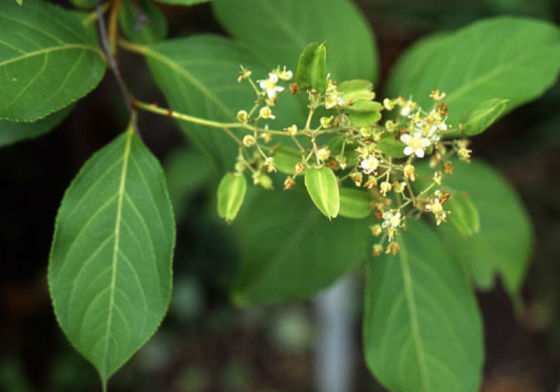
[
  {"x": 249, "y": 140},
  {"x": 242, "y": 116}
]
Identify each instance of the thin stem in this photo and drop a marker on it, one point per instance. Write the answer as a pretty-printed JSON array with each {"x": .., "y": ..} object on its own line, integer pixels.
[
  {"x": 93, "y": 16},
  {"x": 113, "y": 26},
  {"x": 105, "y": 43},
  {"x": 156, "y": 109},
  {"x": 153, "y": 108}
]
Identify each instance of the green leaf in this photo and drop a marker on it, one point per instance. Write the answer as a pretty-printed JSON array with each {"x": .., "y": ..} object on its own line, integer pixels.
[
  {"x": 84, "y": 3},
  {"x": 289, "y": 251},
  {"x": 479, "y": 63},
  {"x": 422, "y": 329},
  {"x": 311, "y": 71},
  {"x": 503, "y": 244},
  {"x": 48, "y": 60},
  {"x": 142, "y": 21},
  {"x": 20, "y": 2},
  {"x": 231, "y": 194},
  {"x": 13, "y": 132},
  {"x": 322, "y": 187},
  {"x": 354, "y": 204},
  {"x": 198, "y": 77},
  {"x": 187, "y": 171},
  {"x": 463, "y": 215},
  {"x": 183, "y": 2},
  {"x": 292, "y": 24},
  {"x": 110, "y": 264}
]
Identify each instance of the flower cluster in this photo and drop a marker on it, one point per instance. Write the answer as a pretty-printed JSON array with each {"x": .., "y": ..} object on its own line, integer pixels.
[{"x": 395, "y": 150}]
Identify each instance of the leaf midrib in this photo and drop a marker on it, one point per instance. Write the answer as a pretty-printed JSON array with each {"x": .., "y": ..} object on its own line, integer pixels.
[{"x": 116, "y": 246}]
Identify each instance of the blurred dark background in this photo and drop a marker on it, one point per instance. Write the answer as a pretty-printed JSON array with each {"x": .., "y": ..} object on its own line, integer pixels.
[{"x": 205, "y": 344}]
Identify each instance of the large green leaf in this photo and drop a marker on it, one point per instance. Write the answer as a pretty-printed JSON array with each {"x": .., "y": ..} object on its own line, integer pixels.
[
  {"x": 13, "y": 132},
  {"x": 290, "y": 250},
  {"x": 183, "y": 2},
  {"x": 110, "y": 265},
  {"x": 277, "y": 32},
  {"x": 504, "y": 58},
  {"x": 502, "y": 246},
  {"x": 142, "y": 21},
  {"x": 422, "y": 328},
  {"x": 48, "y": 60},
  {"x": 198, "y": 76}
]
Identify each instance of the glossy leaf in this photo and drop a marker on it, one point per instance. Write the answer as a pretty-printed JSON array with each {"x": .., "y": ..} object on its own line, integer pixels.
[
  {"x": 198, "y": 77},
  {"x": 322, "y": 187},
  {"x": 84, "y": 3},
  {"x": 231, "y": 194},
  {"x": 48, "y": 60},
  {"x": 463, "y": 214},
  {"x": 503, "y": 244},
  {"x": 142, "y": 21},
  {"x": 422, "y": 328},
  {"x": 183, "y": 2},
  {"x": 110, "y": 265},
  {"x": 354, "y": 204},
  {"x": 13, "y": 132},
  {"x": 481, "y": 62},
  {"x": 311, "y": 71},
  {"x": 292, "y": 24},
  {"x": 289, "y": 250},
  {"x": 188, "y": 171}
]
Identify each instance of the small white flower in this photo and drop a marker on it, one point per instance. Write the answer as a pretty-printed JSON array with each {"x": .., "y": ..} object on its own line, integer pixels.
[
  {"x": 415, "y": 144},
  {"x": 391, "y": 219},
  {"x": 284, "y": 74},
  {"x": 270, "y": 87},
  {"x": 369, "y": 164},
  {"x": 408, "y": 108}
]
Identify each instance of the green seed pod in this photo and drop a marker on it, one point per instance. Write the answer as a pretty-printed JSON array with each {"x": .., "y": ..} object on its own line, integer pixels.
[
  {"x": 354, "y": 204},
  {"x": 322, "y": 186},
  {"x": 231, "y": 194},
  {"x": 311, "y": 71},
  {"x": 356, "y": 90},
  {"x": 286, "y": 159},
  {"x": 364, "y": 113}
]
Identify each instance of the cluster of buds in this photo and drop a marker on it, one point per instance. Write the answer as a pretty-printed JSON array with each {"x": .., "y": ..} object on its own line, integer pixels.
[{"x": 394, "y": 150}]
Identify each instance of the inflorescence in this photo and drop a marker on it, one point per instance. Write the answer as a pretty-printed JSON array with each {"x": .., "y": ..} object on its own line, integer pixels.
[{"x": 376, "y": 146}]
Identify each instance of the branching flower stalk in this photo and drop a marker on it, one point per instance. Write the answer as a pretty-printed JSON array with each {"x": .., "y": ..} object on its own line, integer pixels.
[{"x": 369, "y": 145}]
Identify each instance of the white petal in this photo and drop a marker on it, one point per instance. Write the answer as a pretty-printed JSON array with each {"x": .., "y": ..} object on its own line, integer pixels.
[
  {"x": 408, "y": 150},
  {"x": 405, "y": 138},
  {"x": 420, "y": 153}
]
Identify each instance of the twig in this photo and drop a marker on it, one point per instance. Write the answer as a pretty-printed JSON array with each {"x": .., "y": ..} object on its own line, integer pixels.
[{"x": 113, "y": 65}]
